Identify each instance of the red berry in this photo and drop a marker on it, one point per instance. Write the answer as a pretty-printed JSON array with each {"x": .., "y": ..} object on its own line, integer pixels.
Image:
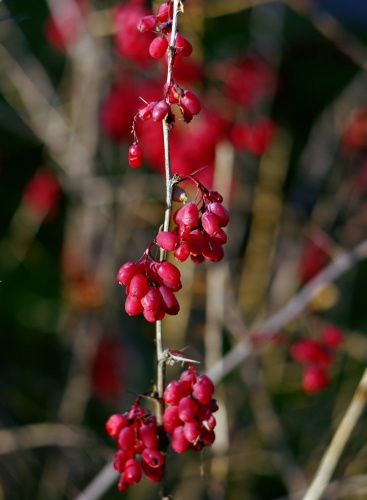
[
  {"x": 154, "y": 474},
  {"x": 145, "y": 113},
  {"x": 192, "y": 430},
  {"x": 195, "y": 242},
  {"x": 132, "y": 471},
  {"x": 207, "y": 436},
  {"x": 213, "y": 251},
  {"x": 203, "y": 389},
  {"x": 190, "y": 103},
  {"x": 187, "y": 215},
  {"x": 133, "y": 306},
  {"x": 311, "y": 351},
  {"x": 148, "y": 435},
  {"x": 115, "y": 423},
  {"x": 167, "y": 240},
  {"x": 171, "y": 419},
  {"x": 158, "y": 47},
  {"x": 173, "y": 393},
  {"x": 153, "y": 458},
  {"x": 332, "y": 336},
  {"x": 210, "y": 223},
  {"x": 220, "y": 237},
  {"x": 120, "y": 460},
  {"x": 168, "y": 300},
  {"x": 126, "y": 439},
  {"x": 187, "y": 379},
  {"x": 182, "y": 252},
  {"x": 220, "y": 212},
  {"x": 160, "y": 110},
  {"x": 169, "y": 272},
  {"x": 126, "y": 272},
  {"x": 314, "y": 379},
  {"x": 187, "y": 409},
  {"x": 123, "y": 484},
  {"x": 138, "y": 286},
  {"x": 165, "y": 12},
  {"x": 178, "y": 441},
  {"x": 147, "y": 23},
  {"x": 135, "y": 155},
  {"x": 153, "y": 316},
  {"x": 151, "y": 299}
]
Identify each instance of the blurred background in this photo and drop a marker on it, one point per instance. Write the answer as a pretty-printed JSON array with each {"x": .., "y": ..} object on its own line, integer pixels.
[{"x": 283, "y": 137}]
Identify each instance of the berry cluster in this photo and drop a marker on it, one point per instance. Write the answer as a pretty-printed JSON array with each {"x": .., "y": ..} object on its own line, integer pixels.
[
  {"x": 317, "y": 356},
  {"x": 136, "y": 434},
  {"x": 150, "y": 287},
  {"x": 199, "y": 231},
  {"x": 189, "y": 415},
  {"x": 188, "y": 102}
]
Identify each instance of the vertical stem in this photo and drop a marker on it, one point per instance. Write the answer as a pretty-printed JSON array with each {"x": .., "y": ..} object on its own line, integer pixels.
[{"x": 161, "y": 371}]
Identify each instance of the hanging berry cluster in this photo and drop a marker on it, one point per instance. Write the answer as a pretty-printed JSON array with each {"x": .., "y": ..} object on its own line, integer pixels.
[
  {"x": 317, "y": 355},
  {"x": 187, "y": 101},
  {"x": 136, "y": 435},
  {"x": 189, "y": 415}
]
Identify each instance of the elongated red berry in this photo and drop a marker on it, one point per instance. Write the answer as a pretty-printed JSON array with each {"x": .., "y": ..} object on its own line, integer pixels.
[
  {"x": 120, "y": 460},
  {"x": 190, "y": 103},
  {"x": 169, "y": 272},
  {"x": 192, "y": 430},
  {"x": 220, "y": 212},
  {"x": 165, "y": 12},
  {"x": 126, "y": 272},
  {"x": 187, "y": 215},
  {"x": 314, "y": 379},
  {"x": 171, "y": 419},
  {"x": 147, "y": 23},
  {"x": 182, "y": 252},
  {"x": 168, "y": 300},
  {"x": 151, "y": 300},
  {"x": 132, "y": 471},
  {"x": 126, "y": 439},
  {"x": 195, "y": 241},
  {"x": 145, "y": 113},
  {"x": 173, "y": 393},
  {"x": 179, "y": 441},
  {"x": 160, "y": 110},
  {"x": 153, "y": 458},
  {"x": 203, "y": 389},
  {"x": 148, "y": 435},
  {"x": 154, "y": 474},
  {"x": 167, "y": 240},
  {"x": 210, "y": 223},
  {"x": 133, "y": 306},
  {"x": 187, "y": 409},
  {"x": 135, "y": 155},
  {"x": 115, "y": 423},
  {"x": 138, "y": 286},
  {"x": 158, "y": 47}
]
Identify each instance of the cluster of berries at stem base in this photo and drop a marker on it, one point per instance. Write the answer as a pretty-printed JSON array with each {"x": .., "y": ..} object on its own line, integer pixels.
[
  {"x": 136, "y": 435},
  {"x": 150, "y": 287},
  {"x": 199, "y": 230},
  {"x": 317, "y": 355},
  {"x": 189, "y": 417},
  {"x": 187, "y": 101}
]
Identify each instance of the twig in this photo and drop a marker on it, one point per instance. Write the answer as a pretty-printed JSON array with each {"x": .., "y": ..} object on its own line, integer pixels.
[
  {"x": 341, "y": 436},
  {"x": 243, "y": 349}
]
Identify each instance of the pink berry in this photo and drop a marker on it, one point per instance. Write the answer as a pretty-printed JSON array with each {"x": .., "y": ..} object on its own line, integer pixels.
[
  {"x": 171, "y": 419},
  {"x": 148, "y": 435},
  {"x": 168, "y": 301},
  {"x": 210, "y": 223},
  {"x": 148, "y": 23},
  {"x": 314, "y": 379},
  {"x": 195, "y": 242},
  {"x": 135, "y": 155},
  {"x": 153, "y": 458},
  {"x": 160, "y": 110},
  {"x": 126, "y": 272},
  {"x": 203, "y": 389},
  {"x": 187, "y": 409},
  {"x": 133, "y": 306},
  {"x": 138, "y": 286},
  {"x": 115, "y": 423},
  {"x": 178, "y": 441},
  {"x": 187, "y": 215},
  {"x": 220, "y": 212},
  {"x": 169, "y": 272},
  {"x": 145, "y": 113},
  {"x": 332, "y": 336},
  {"x": 190, "y": 103},
  {"x": 165, "y": 12},
  {"x": 167, "y": 240},
  {"x": 192, "y": 430},
  {"x": 158, "y": 47},
  {"x": 132, "y": 471},
  {"x": 126, "y": 439},
  {"x": 173, "y": 393},
  {"x": 151, "y": 299},
  {"x": 182, "y": 252}
]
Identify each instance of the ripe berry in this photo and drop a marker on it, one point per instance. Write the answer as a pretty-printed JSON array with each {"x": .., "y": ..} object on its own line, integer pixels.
[
  {"x": 220, "y": 212},
  {"x": 179, "y": 441},
  {"x": 126, "y": 272},
  {"x": 314, "y": 379},
  {"x": 187, "y": 215},
  {"x": 169, "y": 272},
  {"x": 147, "y": 23},
  {"x": 165, "y": 12},
  {"x": 210, "y": 223},
  {"x": 126, "y": 439},
  {"x": 135, "y": 155},
  {"x": 203, "y": 389},
  {"x": 138, "y": 286},
  {"x": 153, "y": 458},
  {"x": 158, "y": 47},
  {"x": 148, "y": 435},
  {"x": 132, "y": 471},
  {"x": 154, "y": 474},
  {"x": 187, "y": 409},
  {"x": 195, "y": 242},
  {"x": 115, "y": 423},
  {"x": 171, "y": 419},
  {"x": 173, "y": 393},
  {"x": 168, "y": 300},
  {"x": 190, "y": 103},
  {"x": 332, "y": 336},
  {"x": 151, "y": 299},
  {"x": 133, "y": 306},
  {"x": 182, "y": 252},
  {"x": 145, "y": 113},
  {"x": 167, "y": 240},
  {"x": 192, "y": 430}
]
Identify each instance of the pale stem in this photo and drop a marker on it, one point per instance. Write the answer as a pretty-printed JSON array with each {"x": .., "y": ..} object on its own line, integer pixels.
[{"x": 161, "y": 368}]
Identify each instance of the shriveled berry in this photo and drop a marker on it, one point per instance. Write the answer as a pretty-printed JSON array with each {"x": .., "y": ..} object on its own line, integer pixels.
[{"x": 135, "y": 155}]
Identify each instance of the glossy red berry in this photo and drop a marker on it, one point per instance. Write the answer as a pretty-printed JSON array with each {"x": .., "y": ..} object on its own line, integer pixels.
[
  {"x": 167, "y": 240},
  {"x": 190, "y": 103},
  {"x": 126, "y": 439},
  {"x": 147, "y": 23},
  {"x": 115, "y": 423},
  {"x": 314, "y": 379},
  {"x": 169, "y": 272},
  {"x": 158, "y": 47},
  {"x": 135, "y": 155},
  {"x": 179, "y": 441},
  {"x": 173, "y": 393}
]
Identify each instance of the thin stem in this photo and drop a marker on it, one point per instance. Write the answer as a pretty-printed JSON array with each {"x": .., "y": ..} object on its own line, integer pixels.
[{"x": 161, "y": 358}]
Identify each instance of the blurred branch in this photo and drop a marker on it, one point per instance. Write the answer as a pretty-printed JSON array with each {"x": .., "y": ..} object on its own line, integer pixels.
[
  {"x": 271, "y": 326},
  {"x": 341, "y": 436},
  {"x": 44, "y": 434}
]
